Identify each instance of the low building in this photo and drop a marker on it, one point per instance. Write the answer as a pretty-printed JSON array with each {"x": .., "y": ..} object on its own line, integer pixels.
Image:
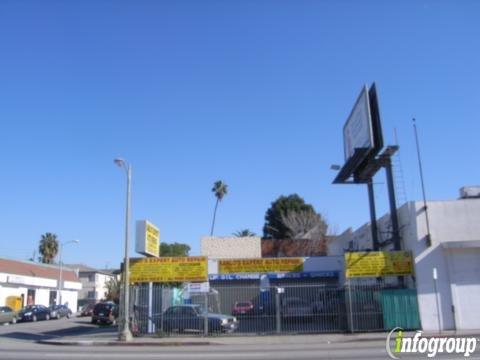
[
  {"x": 449, "y": 300},
  {"x": 35, "y": 283},
  {"x": 252, "y": 260},
  {"x": 254, "y": 247},
  {"x": 248, "y": 247},
  {"x": 94, "y": 283}
]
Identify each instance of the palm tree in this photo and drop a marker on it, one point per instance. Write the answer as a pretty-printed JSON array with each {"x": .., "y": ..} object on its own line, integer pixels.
[
  {"x": 220, "y": 189},
  {"x": 244, "y": 233},
  {"x": 48, "y": 248}
]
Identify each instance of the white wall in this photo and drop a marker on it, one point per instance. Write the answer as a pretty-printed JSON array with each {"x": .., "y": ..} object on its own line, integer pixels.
[
  {"x": 70, "y": 297},
  {"x": 42, "y": 297},
  {"x": 100, "y": 285},
  {"x": 231, "y": 247},
  {"x": 464, "y": 265},
  {"x": 6, "y": 291},
  {"x": 450, "y": 222}
]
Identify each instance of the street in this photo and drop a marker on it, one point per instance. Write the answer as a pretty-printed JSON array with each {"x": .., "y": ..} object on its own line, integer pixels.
[
  {"x": 45, "y": 330},
  {"x": 20, "y": 342}
]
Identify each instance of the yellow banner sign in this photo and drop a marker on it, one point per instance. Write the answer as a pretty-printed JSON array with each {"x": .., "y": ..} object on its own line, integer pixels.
[
  {"x": 152, "y": 241},
  {"x": 147, "y": 239},
  {"x": 169, "y": 269},
  {"x": 260, "y": 265},
  {"x": 378, "y": 263}
]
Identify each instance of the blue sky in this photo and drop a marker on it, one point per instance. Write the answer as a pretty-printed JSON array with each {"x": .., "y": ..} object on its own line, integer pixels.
[{"x": 254, "y": 93}]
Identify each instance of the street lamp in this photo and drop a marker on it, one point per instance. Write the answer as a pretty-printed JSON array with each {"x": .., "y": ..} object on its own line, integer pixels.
[
  {"x": 59, "y": 297},
  {"x": 125, "y": 334}
]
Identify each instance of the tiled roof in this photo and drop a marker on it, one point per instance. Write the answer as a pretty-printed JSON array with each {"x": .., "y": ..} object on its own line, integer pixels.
[{"x": 29, "y": 268}]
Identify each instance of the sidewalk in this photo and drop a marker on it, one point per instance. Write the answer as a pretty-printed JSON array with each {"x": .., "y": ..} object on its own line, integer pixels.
[{"x": 111, "y": 339}]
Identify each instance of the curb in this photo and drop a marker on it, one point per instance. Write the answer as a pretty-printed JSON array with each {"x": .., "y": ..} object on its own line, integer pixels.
[{"x": 121, "y": 343}]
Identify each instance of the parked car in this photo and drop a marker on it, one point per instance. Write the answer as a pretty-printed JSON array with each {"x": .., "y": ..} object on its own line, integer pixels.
[
  {"x": 241, "y": 308},
  {"x": 87, "y": 310},
  {"x": 295, "y": 308},
  {"x": 59, "y": 311},
  {"x": 7, "y": 315},
  {"x": 34, "y": 313},
  {"x": 105, "y": 313},
  {"x": 191, "y": 318}
]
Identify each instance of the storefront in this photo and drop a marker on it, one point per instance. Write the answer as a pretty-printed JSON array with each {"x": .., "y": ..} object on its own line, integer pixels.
[{"x": 26, "y": 283}]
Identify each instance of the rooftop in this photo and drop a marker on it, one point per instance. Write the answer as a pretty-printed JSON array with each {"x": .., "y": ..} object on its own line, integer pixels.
[{"x": 34, "y": 269}]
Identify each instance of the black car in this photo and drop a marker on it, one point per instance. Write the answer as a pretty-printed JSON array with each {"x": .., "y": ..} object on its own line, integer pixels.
[
  {"x": 34, "y": 313},
  {"x": 59, "y": 311},
  {"x": 191, "y": 318},
  {"x": 105, "y": 312}
]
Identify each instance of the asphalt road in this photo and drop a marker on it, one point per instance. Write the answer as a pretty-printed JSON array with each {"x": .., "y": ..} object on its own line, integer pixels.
[
  {"x": 19, "y": 342},
  {"x": 29, "y": 351},
  {"x": 52, "y": 329}
]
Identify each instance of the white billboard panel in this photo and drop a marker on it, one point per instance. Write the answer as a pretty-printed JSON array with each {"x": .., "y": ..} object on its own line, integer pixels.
[
  {"x": 147, "y": 239},
  {"x": 357, "y": 131}
]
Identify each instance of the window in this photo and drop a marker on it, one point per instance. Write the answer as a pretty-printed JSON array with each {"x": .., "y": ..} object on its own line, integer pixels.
[
  {"x": 91, "y": 295},
  {"x": 91, "y": 277}
]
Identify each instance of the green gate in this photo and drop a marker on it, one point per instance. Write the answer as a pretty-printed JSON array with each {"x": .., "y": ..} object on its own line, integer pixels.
[{"x": 400, "y": 308}]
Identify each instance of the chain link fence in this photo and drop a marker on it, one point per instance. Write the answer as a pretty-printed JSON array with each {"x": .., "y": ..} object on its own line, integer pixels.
[{"x": 164, "y": 310}]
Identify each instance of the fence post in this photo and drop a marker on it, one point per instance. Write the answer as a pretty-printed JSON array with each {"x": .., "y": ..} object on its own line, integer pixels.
[
  {"x": 205, "y": 319},
  {"x": 277, "y": 310},
  {"x": 150, "y": 305},
  {"x": 162, "y": 306},
  {"x": 351, "y": 326}
]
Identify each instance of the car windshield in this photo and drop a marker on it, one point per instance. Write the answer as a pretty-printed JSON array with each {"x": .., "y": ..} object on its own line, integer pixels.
[
  {"x": 103, "y": 306},
  {"x": 198, "y": 309},
  {"x": 295, "y": 303},
  {"x": 29, "y": 307}
]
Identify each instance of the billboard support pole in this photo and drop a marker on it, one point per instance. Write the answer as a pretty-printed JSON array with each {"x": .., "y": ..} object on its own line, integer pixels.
[
  {"x": 393, "y": 209},
  {"x": 373, "y": 215},
  {"x": 393, "y": 204}
]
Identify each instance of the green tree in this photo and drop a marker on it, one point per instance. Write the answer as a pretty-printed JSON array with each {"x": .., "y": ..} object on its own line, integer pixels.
[
  {"x": 48, "y": 248},
  {"x": 175, "y": 249},
  {"x": 113, "y": 290},
  {"x": 244, "y": 233},
  {"x": 290, "y": 217},
  {"x": 220, "y": 189}
]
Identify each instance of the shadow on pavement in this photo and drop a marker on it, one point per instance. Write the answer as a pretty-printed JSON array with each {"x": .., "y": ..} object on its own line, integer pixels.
[{"x": 80, "y": 331}]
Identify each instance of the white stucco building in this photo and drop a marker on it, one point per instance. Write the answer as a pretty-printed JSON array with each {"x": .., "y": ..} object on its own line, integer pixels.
[
  {"x": 36, "y": 283},
  {"x": 454, "y": 251},
  {"x": 94, "y": 283}
]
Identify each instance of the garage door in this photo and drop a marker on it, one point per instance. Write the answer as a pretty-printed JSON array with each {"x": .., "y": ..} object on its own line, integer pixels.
[{"x": 465, "y": 266}]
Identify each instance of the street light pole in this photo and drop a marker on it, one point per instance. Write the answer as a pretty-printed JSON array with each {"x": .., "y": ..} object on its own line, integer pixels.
[
  {"x": 59, "y": 296},
  {"x": 124, "y": 333}
]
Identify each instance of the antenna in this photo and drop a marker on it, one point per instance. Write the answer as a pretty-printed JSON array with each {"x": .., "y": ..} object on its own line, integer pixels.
[{"x": 420, "y": 167}]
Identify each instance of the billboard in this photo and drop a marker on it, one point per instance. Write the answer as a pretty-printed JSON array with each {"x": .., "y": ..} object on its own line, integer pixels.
[
  {"x": 169, "y": 269},
  {"x": 378, "y": 263},
  {"x": 362, "y": 135},
  {"x": 147, "y": 239},
  {"x": 357, "y": 131},
  {"x": 266, "y": 265}
]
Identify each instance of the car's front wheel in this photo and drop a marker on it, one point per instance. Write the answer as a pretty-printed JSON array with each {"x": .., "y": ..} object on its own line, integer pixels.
[
  {"x": 34, "y": 318},
  {"x": 14, "y": 320},
  {"x": 47, "y": 317}
]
